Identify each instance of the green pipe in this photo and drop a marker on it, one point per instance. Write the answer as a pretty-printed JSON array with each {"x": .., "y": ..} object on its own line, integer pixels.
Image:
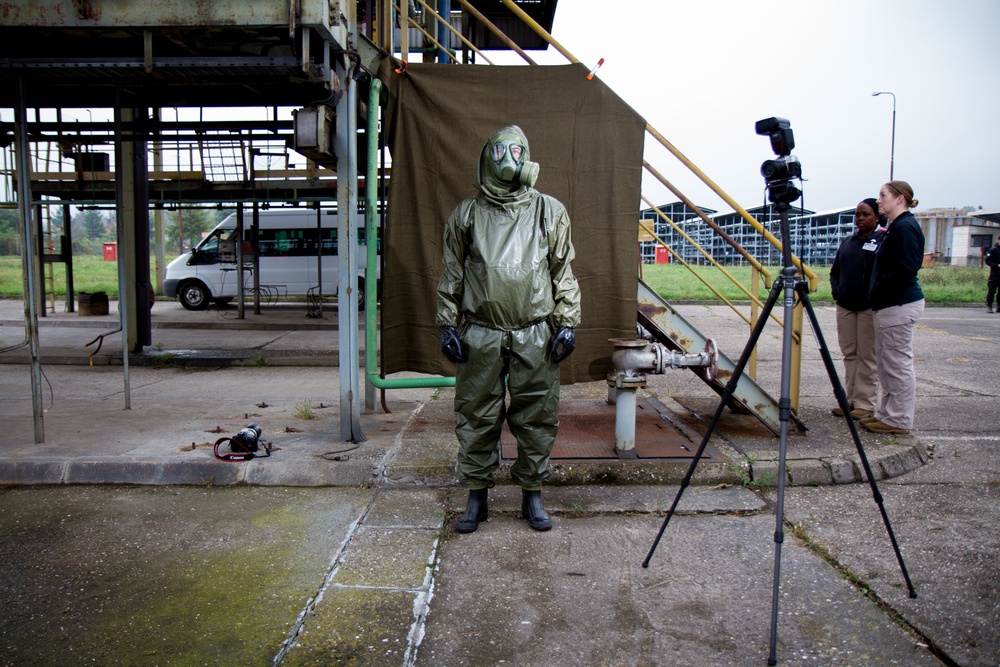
[{"x": 371, "y": 268}]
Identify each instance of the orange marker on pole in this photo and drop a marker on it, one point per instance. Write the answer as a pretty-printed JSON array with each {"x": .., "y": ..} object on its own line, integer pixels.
[{"x": 596, "y": 67}]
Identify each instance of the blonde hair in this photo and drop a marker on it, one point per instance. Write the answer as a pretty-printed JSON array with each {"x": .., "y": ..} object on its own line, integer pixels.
[{"x": 903, "y": 188}]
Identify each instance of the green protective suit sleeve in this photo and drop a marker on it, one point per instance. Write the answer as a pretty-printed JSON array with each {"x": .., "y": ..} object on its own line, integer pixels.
[
  {"x": 451, "y": 285},
  {"x": 565, "y": 288}
]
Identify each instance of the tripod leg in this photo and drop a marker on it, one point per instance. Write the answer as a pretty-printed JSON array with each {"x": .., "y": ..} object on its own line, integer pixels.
[
  {"x": 838, "y": 391},
  {"x": 726, "y": 395},
  {"x": 784, "y": 415}
]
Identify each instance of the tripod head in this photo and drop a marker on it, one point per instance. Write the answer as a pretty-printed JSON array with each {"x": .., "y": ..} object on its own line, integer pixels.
[{"x": 778, "y": 173}]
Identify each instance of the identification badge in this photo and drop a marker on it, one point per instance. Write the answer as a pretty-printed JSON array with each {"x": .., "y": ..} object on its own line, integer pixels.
[{"x": 870, "y": 246}]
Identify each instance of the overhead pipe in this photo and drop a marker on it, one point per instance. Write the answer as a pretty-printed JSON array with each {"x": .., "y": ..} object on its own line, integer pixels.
[
  {"x": 371, "y": 267},
  {"x": 444, "y": 11}
]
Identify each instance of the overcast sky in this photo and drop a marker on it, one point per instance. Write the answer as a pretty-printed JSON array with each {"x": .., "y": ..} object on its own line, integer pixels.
[{"x": 703, "y": 72}]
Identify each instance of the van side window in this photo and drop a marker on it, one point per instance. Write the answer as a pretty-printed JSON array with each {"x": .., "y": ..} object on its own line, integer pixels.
[
  {"x": 294, "y": 242},
  {"x": 279, "y": 242},
  {"x": 301, "y": 242}
]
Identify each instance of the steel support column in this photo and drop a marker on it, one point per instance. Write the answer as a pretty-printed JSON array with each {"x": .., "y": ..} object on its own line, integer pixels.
[
  {"x": 124, "y": 179},
  {"x": 347, "y": 245},
  {"x": 28, "y": 256}
]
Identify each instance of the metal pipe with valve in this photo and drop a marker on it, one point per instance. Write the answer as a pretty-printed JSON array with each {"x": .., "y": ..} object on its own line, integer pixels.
[{"x": 631, "y": 361}]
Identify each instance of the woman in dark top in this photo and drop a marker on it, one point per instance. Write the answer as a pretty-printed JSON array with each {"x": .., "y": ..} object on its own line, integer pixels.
[
  {"x": 898, "y": 303},
  {"x": 850, "y": 276}
]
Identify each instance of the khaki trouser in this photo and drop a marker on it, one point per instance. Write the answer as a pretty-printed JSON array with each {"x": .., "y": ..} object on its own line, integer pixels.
[
  {"x": 856, "y": 333},
  {"x": 894, "y": 349},
  {"x": 522, "y": 357}
]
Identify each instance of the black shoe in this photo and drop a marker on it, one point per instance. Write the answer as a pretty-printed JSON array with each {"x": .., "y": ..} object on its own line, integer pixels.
[
  {"x": 531, "y": 509},
  {"x": 477, "y": 510},
  {"x": 989, "y": 309}
]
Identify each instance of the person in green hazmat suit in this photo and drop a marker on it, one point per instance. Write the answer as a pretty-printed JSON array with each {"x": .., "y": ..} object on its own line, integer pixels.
[{"x": 508, "y": 306}]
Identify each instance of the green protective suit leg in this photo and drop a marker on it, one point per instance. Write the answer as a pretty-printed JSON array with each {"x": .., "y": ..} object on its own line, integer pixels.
[
  {"x": 533, "y": 413},
  {"x": 479, "y": 404}
]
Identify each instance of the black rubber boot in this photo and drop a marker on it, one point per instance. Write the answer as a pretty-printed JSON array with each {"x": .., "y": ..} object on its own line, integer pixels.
[
  {"x": 477, "y": 510},
  {"x": 531, "y": 509}
]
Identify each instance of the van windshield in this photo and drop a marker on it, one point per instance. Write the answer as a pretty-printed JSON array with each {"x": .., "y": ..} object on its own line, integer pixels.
[{"x": 210, "y": 244}]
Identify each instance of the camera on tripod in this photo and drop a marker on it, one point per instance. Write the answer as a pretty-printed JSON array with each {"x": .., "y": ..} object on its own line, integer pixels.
[{"x": 779, "y": 172}]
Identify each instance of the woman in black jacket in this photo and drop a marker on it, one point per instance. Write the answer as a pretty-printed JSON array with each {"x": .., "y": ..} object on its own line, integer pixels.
[
  {"x": 850, "y": 276},
  {"x": 898, "y": 303}
]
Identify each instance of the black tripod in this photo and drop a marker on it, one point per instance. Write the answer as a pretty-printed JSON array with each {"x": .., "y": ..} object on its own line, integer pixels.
[{"x": 782, "y": 193}]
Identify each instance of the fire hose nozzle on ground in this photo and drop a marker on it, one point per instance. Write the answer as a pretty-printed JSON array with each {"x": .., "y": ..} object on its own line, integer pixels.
[{"x": 631, "y": 361}]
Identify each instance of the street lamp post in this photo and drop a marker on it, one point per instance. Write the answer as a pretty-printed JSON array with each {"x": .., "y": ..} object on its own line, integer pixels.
[{"x": 892, "y": 154}]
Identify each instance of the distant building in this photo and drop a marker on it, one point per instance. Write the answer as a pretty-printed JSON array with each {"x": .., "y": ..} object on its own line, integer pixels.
[
  {"x": 815, "y": 237},
  {"x": 955, "y": 236},
  {"x": 958, "y": 236},
  {"x": 652, "y": 252}
]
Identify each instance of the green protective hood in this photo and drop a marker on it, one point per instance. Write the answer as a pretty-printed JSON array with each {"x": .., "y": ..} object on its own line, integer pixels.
[{"x": 497, "y": 191}]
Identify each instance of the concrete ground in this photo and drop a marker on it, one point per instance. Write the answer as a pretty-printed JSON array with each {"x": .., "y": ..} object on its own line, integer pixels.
[{"x": 128, "y": 543}]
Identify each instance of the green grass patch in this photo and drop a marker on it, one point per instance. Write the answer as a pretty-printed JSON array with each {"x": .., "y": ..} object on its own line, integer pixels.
[
  {"x": 90, "y": 274},
  {"x": 954, "y": 284},
  {"x": 942, "y": 285}
]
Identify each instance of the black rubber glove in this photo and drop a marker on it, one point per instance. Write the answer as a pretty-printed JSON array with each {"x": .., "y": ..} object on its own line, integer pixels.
[
  {"x": 450, "y": 345},
  {"x": 566, "y": 337}
]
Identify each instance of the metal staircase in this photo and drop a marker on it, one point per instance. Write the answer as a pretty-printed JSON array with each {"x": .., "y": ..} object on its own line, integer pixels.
[{"x": 669, "y": 327}]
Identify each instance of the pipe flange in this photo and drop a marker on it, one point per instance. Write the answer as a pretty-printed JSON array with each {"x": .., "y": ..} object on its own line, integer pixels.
[
  {"x": 621, "y": 380},
  {"x": 628, "y": 342},
  {"x": 711, "y": 371}
]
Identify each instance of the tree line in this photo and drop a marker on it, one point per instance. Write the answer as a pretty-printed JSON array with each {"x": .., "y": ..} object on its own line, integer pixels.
[{"x": 92, "y": 228}]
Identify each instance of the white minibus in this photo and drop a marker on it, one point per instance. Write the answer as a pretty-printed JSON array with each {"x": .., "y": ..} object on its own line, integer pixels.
[{"x": 288, "y": 257}]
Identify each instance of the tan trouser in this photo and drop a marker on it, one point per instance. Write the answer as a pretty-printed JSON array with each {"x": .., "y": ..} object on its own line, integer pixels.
[
  {"x": 894, "y": 349},
  {"x": 856, "y": 333}
]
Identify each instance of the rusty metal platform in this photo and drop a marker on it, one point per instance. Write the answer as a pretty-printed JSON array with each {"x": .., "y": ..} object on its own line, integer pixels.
[{"x": 587, "y": 432}]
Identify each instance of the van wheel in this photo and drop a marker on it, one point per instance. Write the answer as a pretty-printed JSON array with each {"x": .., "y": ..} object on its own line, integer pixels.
[
  {"x": 362, "y": 295},
  {"x": 193, "y": 295}
]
